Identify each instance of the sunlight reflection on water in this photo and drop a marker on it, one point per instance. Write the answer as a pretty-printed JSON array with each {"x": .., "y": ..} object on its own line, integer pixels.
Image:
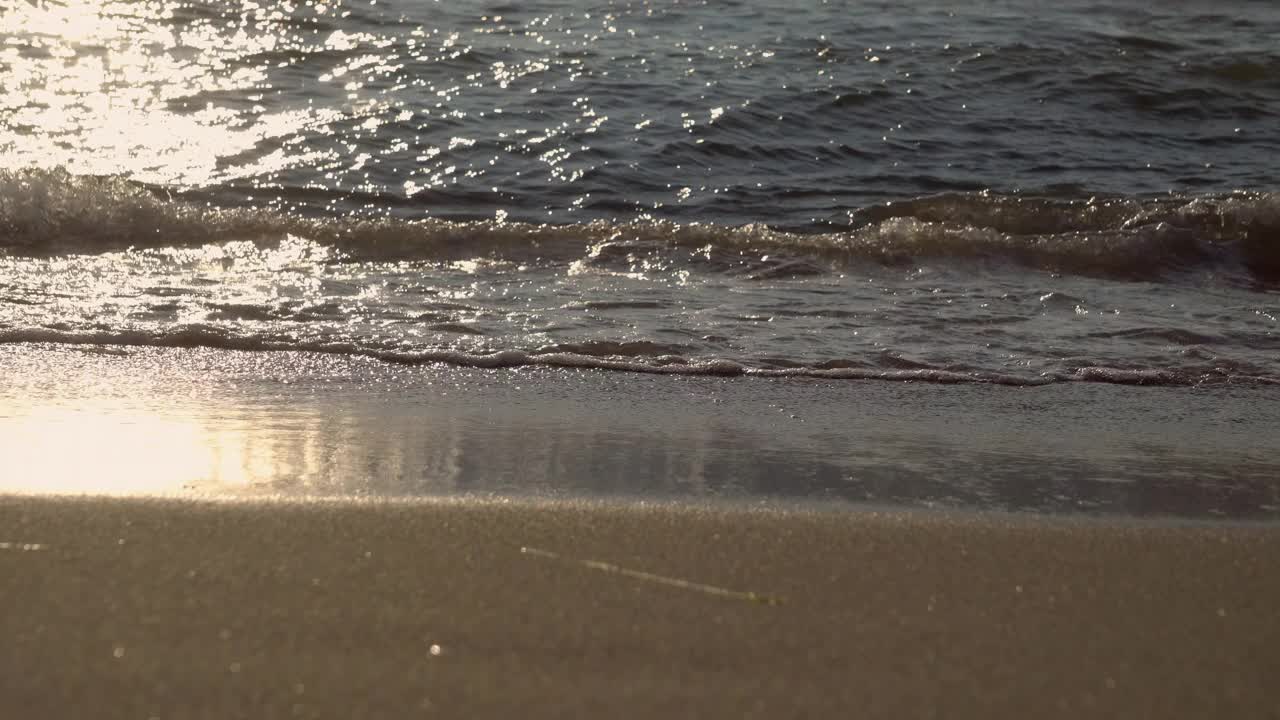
[
  {"x": 104, "y": 87},
  {"x": 231, "y": 424}
]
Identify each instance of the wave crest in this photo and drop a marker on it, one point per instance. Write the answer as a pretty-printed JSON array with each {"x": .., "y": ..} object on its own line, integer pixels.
[{"x": 48, "y": 212}]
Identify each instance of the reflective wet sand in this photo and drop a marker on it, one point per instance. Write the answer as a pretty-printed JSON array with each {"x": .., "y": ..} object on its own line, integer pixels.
[
  {"x": 208, "y": 423},
  {"x": 300, "y": 535}
]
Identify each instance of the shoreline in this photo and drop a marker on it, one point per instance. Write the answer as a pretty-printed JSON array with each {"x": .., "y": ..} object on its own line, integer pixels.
[
  {"x": 229, "y": 423},
  {"x": 780, "y": 508},
  {"x": 182, "y": 609}
]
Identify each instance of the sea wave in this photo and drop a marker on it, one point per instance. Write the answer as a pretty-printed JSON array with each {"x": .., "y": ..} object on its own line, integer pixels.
[
  {"x": 1236, "y": 236},
  {"x": 607, "y": 357}
]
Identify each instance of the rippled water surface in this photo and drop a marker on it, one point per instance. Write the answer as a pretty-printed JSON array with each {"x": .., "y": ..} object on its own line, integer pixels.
[
  {"x": 1018, "y": 192},
  {"x": 733, "y": 111}
]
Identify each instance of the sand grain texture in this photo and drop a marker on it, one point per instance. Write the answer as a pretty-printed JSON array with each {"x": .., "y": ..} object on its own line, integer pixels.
[{"x": 167, "y": 609}]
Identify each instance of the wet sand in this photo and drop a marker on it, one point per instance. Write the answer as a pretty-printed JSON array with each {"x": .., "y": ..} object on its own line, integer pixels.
[
  {"x": 175, "y": 421},
  {"x": 128, "y": 608}
]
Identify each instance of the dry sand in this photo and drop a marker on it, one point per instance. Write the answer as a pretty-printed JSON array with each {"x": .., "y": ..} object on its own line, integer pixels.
[{"x": 174, "y": 609}]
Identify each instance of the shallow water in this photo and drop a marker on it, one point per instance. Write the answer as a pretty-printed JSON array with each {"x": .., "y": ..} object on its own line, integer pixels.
[
  {"x": 231, "y": 424},
  {"x": 1006, "y": 193},
  {"x": 1017, "y": 192}
]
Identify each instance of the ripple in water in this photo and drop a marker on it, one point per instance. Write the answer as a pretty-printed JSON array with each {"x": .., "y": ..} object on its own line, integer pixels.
[{"x": 1016, "y": 194}]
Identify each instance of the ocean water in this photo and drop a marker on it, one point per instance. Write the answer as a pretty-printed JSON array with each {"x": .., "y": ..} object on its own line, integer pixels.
[
  {"x": 1019, "y": 192},
  {"x": 1006, "y": 193}
]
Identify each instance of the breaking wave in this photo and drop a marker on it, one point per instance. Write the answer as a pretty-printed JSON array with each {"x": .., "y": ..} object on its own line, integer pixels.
[{"x": 51, "y": 212}]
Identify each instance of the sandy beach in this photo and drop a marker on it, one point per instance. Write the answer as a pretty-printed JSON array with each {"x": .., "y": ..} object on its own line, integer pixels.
[
  {"x": 126, "y": 608},
  {"x": 597, "y": 359}
]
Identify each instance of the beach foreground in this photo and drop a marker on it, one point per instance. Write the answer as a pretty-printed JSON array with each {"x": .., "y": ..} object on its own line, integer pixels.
[{"x": 129, "y": 608}]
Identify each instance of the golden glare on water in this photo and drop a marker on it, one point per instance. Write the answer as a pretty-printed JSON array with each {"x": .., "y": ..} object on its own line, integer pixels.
[
  {"x": 108, "y": 449},
  {"x": 194, "y": 422},
  {"x": 108, "y": 87}
]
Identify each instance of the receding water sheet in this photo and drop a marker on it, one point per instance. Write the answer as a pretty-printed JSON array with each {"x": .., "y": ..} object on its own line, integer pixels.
[{"x": 202, "y": 422}]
